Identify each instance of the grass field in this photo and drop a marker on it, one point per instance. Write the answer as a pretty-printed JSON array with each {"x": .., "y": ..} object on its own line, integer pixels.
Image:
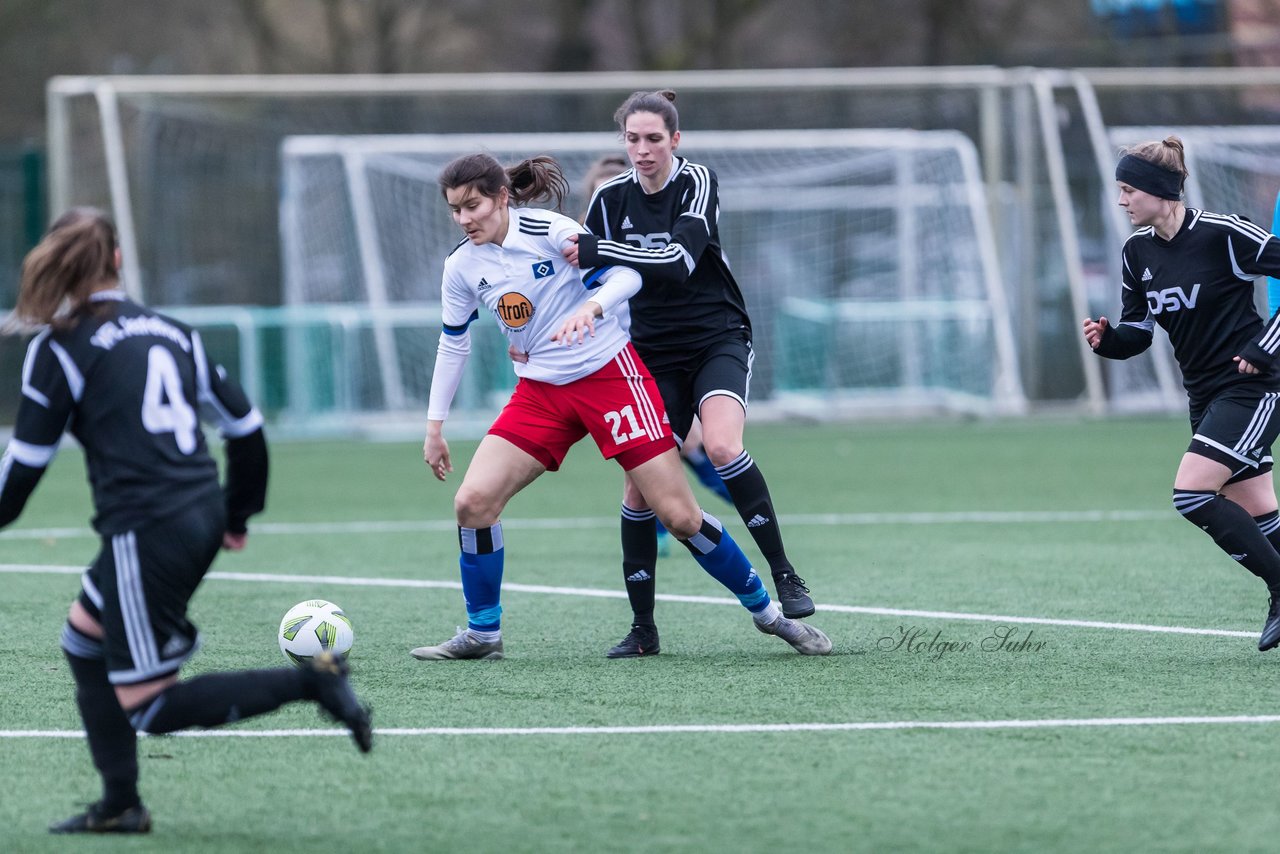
[{"x": 1100, "y": 733}]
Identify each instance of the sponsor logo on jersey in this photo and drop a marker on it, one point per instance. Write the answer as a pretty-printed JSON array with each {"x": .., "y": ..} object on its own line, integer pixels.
[
  {"x": 542, "y": 269},
  {"x": 484, "y": 284},
  {"x": 514, "y": 310},
  {"x": 1146, "y": 274},
  {"x": 626, "y": 222},
  {"x": 656, "y": 240},
  {"x": 109, "y": 334},
  {"x": 1172, "y": 299}
]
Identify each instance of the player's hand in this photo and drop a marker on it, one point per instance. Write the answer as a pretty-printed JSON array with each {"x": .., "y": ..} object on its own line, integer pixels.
[
  {"x": 1093, "y": 331},
  {"x": 435, "y": 453},
  {"x": 570, "y": 252},
  {"x": 234, "y": 542},
  {"x": 1244, "y": 366},
  {"x": 578, "y": 325},
  {"x": 517, "y": 355}
]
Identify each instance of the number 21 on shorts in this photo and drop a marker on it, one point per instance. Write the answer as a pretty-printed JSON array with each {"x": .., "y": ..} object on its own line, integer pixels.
[{"x": 623, "y": 419}]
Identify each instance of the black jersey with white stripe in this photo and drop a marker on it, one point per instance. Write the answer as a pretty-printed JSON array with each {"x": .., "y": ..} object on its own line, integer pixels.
[
  {"x": 131, "y": 386},
  {"x": 1198, "y": 287},
  {"x": 672, "y": 238}
]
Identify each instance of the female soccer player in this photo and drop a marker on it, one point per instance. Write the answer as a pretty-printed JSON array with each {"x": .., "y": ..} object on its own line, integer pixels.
[
  {"x": 691, "y": 451},
  {"x": 127, "y": 383},
  {"x": 690, "y": 325},
  {"x": 582, "y": 376},
  {"x": 1192, "y": 272}
]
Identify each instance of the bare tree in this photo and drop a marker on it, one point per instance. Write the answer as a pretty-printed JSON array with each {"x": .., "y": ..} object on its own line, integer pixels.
[
  {"x": 574, "y": 48},
  {"x": 703, "y": 34},
  {"x": 970, "y": 32},
  {"x": 346, "y": 36}
]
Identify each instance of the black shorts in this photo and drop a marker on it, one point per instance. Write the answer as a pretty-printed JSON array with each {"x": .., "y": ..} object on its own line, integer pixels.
[
  {"x": 723, "y": 368},
  {"x": 140, "y": 583},
  {"x": 1237, "y": 430}
]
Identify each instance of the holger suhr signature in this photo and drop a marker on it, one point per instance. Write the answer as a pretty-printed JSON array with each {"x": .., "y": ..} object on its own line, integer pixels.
[{"x": 920, "y": 641}]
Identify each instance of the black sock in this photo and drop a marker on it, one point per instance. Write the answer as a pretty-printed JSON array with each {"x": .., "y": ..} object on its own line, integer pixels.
[
  {"x": 222, "y": 698},
  {"x": 640, "y": 561},
  {"x": 1233, "y": 529},
  {"x": 750, "y": 496},
  {"x": 1269, "y": 525},
  {"x": 113, "y": 744}
]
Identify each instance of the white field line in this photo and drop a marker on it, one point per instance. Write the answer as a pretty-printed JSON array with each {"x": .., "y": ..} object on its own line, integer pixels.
[
  {"x": 415, "y": 583},
  {"x": 411, "y": 526},
  {"x": 680, "y": 729}
]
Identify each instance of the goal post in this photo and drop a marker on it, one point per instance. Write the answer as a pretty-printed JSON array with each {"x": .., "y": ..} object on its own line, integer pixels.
[{"x": 866, "y": 256}]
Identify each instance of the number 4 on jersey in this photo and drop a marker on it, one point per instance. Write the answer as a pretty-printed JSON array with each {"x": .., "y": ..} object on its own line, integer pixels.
[{"x": 164, "y": 408}]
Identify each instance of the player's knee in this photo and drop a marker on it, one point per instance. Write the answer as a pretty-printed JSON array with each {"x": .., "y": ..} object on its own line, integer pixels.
[
  {"x": 1196, "y": 506},
  {"x": 683, "y": 521},
  {"x": 475, "y": 509},
  {"x": 721, "y": 451},
  {"x": 83, "y": 621},
  {"x": 632, "y": 496}
]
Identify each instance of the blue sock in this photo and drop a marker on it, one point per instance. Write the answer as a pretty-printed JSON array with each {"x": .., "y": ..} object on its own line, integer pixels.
[
  {"x": 481, "y": 565},
  {"x": 720, "y": 556},
  {"x": 702, "y": 466}
]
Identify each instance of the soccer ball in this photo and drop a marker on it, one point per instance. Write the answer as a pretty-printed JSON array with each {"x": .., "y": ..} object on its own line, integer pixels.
[{"x": 313, "y": 626}]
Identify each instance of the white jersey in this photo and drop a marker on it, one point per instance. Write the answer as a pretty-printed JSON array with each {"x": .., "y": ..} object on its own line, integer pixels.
[{"x": 529, "y": 288}]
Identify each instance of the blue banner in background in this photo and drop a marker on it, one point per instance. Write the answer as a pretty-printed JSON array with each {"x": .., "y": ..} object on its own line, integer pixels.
[{"x": 1139, "y": 18}]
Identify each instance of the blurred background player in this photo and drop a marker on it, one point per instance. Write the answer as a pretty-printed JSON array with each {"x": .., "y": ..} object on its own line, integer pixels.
[
  {"x": 689, "y": 323},
  {"x": 1192, "y": 272},
  {"x": 127, "y": 383},
  {"x": 581, "y": 376}
]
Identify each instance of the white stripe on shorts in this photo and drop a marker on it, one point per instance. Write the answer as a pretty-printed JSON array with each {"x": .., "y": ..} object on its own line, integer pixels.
[
  {"x": 645, "y": 410},
  {"x": 1261, "y": 417},
  {"x": 133, "y": 603}
]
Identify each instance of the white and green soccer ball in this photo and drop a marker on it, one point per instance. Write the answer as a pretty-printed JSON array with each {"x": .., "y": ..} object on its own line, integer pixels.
[{"x": 312, "y": 627}]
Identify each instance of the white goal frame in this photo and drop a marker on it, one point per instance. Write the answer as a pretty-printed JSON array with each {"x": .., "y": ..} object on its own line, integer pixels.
[{"x": 1007, "y": 395}]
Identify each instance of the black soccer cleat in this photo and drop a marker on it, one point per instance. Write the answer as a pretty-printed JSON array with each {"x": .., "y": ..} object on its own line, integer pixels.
[
  {"x": 334, "y": 694},
  {"x": 639, "y": 642},
  {"x": 1271, "y": 629},
  {"x": 135, "y": 819},
  {"x": 793, "y": 596}
]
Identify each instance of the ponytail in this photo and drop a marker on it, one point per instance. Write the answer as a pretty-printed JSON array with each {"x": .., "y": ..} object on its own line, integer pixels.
[
  {"x": 527, "y": 181},
  {"x": 76, "y": 257}
]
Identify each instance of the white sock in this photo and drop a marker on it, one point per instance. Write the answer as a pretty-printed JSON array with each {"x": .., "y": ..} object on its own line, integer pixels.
[
  {"x": 770, "y": 613},
  {"x": 486, "y": 637}
]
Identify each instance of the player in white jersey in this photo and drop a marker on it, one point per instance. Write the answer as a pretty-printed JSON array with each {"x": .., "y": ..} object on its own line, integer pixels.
[{"x": 581, "y": 376}]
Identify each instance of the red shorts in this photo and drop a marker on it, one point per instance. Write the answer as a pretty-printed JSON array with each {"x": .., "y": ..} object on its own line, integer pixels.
[{"x": 618, "y": 405}]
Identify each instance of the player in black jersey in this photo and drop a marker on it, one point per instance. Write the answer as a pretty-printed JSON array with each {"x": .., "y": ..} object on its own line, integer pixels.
[
  {"x": 127, "y": 383},
  {"x": 1192, "y": 272},
  {"x": 690, "y": 325},
  {"x": 691, "y": 451}
]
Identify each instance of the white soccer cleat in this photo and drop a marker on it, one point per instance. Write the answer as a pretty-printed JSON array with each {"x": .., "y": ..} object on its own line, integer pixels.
[
  {"x": 804, "y": 638},
  {"x": 460, "y": 646}
]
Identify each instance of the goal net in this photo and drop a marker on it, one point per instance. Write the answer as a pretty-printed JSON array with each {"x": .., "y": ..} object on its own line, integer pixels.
[
  {"x": 866, "y": 259},
  {"x": 1232, "y": 169}
]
